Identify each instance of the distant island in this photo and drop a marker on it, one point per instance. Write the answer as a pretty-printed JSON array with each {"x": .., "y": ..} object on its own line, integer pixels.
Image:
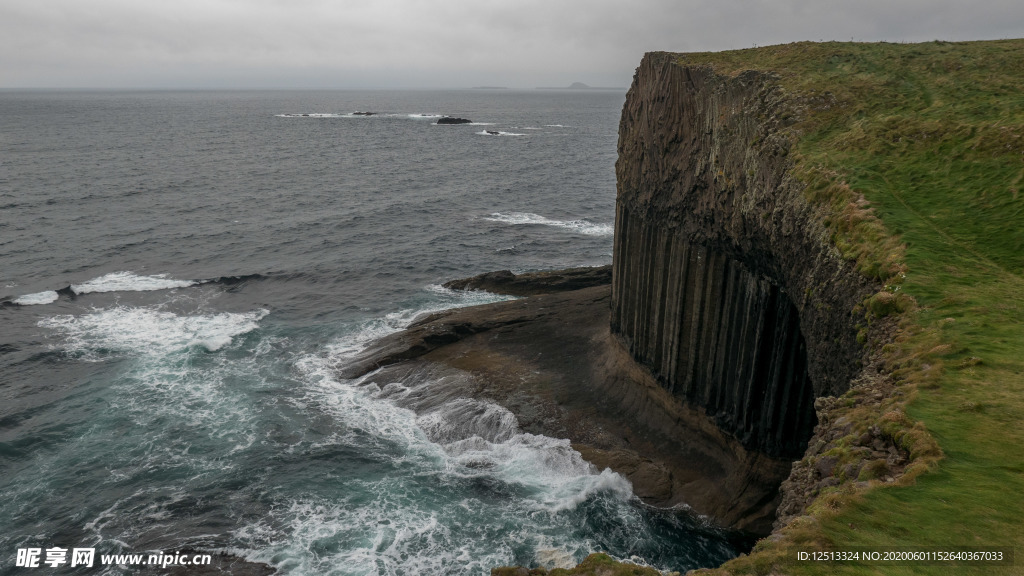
[
  {"x": 490, "y": 88},
  {"x": 578, "y": 86}
]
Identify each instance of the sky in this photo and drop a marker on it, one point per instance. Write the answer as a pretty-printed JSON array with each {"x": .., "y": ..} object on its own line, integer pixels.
[{"x": 114, "y": 44}]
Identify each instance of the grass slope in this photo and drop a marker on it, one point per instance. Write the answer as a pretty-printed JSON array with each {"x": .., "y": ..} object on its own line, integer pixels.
[{"x": 932, "y": 136}]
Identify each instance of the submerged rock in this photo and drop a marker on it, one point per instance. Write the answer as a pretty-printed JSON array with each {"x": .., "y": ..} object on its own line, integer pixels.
[{"x": 531, "y": 283}]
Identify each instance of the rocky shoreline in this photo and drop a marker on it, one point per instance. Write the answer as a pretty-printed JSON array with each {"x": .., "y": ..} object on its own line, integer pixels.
[{"x": 551, "y": 360}]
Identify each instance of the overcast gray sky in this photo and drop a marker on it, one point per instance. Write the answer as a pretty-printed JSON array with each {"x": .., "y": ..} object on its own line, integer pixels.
[{"x": 445, "y": 43}]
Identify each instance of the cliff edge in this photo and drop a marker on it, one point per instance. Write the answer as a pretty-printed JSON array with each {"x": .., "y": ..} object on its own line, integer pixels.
[
  {"x": 725, "y": 282},
  {"x": 808, "y": 240}
]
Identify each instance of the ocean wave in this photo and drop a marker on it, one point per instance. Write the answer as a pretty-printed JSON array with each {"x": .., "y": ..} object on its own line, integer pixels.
[
  {"x": 438, "y": 298},
  {"x": 147, "y": 331},
  {"x": 480, "y": 437},
  {"x": 129, "y": 282},
  {"x": 45, "y": 297},
  {"x": 466, "y": 418},
  {"x": 449, "y": 474},
  {"x": 124, "y": 282},
  {"x": 579, "y": 226}
]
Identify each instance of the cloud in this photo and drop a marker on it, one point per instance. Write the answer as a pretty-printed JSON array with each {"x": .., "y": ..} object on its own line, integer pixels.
[{"x": 271, "y": 43}]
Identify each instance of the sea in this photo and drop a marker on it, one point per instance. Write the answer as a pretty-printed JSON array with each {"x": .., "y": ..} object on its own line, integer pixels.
[{"x": 183, "y": 274}]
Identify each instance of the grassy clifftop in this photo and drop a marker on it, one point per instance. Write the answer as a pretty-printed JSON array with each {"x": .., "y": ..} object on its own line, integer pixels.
[{"x": 918, "y": 151}]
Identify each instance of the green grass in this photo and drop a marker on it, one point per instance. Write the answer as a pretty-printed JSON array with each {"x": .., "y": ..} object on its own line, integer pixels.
[{"x": 932, "y": 136}]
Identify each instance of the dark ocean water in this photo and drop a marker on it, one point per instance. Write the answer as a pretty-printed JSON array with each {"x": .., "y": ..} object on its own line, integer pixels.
[{"x": 183, "y": 274}]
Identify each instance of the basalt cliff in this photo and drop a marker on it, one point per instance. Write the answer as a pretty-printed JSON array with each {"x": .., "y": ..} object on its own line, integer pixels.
[
  {"x": 692, "y": 368},
  {"x": 754, "y": 354},
  {"x": 725, "y": 284}
]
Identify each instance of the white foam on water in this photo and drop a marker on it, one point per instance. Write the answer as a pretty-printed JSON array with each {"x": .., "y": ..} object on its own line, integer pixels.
[
  {"x": 355, "y": 409},
  {"x": 466, "y": 418},
  {"x": 427, "y": 513},
  {"x": 463, "y": 489},
  {"x": 483, "y": 436},
  {"x": 380, "y": 537},
  {"x": 38, "y": 298},
  {"x": 130, "y": 282},
  {"x": 426, "y": 116},
  {"x": 439, "y": 299},
  {"x": 555, "y": 476},
  {"x": 445, "y": 298},
  {"x": 172, "y": 375},
  {"x": 578, "y": 226},
  {"x": 148, "y": 331},
  {"x": 411, "y": 521},
  {"x": 168, "y": 416},
  {"x": 215, "y": 343}
]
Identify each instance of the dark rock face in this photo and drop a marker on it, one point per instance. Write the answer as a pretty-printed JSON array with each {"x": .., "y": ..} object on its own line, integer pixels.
[
  {"x": 724, "y": 282},
  {"x": 718, "y": 335},
  {"x": 452, "y": 120},
  {"x": 533, "y": 283}
]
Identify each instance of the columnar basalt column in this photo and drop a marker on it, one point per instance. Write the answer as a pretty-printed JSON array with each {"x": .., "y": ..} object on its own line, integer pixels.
[
  {"x": 716, "y": 334},
  {"x": 725, "y": 284}
]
